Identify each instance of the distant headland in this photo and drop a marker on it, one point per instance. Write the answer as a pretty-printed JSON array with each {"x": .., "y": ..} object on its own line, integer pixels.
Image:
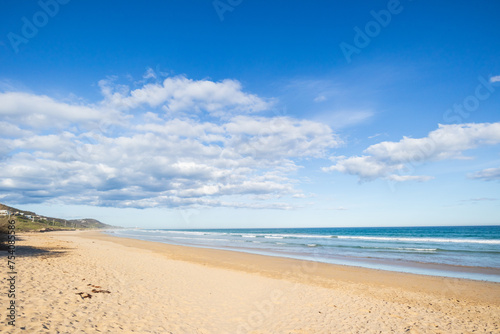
[{"x": 28, "y": 221}]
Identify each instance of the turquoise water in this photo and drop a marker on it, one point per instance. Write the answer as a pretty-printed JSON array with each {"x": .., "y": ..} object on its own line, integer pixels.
[{"x": 456, "y": 251}]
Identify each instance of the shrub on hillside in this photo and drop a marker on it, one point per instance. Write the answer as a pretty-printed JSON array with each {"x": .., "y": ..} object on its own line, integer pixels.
[{"x": 4, "y": 231}]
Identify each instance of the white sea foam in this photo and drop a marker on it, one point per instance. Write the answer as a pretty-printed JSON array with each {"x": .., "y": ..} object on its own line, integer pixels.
[
  {"x": 186, "y": 232},
  {"x": 298, "y": 236},
  {"x": 441, "y": 240},
  {"x": 315, "y": 236},
  {"x": 458, "y": 248}
]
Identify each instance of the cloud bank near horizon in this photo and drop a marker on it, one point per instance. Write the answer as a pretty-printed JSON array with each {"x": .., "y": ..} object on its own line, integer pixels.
[{"x": 176, "y": 143}]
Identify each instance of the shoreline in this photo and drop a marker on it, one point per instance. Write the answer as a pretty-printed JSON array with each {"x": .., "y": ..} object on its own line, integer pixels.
[
  {"x": 313, "y": 272},
  {"x": 483, "y": 274},
  {"x": 431, "y": 253},
  {"x": 150, "y": 287}
]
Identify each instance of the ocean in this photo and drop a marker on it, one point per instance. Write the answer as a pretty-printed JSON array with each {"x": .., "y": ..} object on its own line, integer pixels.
[{"x": 471, "y": 252}]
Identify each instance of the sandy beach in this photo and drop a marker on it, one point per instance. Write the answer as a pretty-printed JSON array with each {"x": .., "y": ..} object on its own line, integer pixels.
[{"x": 86, "y": 282}]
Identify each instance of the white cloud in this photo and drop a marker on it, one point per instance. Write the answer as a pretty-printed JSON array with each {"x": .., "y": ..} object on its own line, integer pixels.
[
  {"x": 9, "y": 130},
  {"x": 149, "y": 160},
  {"x": 320, "y": 98},
  {"x": 402, "y": 178},
  {"x": 495, "y": 79},
  {"x": 448, "y": 141},
  {"x": 366, "y": 167},
  {"x": 280, "y": 137},
  {"x": 384, "y": 159},
  {"x": 489, "y": 174},
  {"x": 481, "y": 199},
  {"x": 150, "y": 74},
  {"x": 377, "y": 135},
  {"x": 182, "y": 95},
  {"x": 40, "y": 111}
]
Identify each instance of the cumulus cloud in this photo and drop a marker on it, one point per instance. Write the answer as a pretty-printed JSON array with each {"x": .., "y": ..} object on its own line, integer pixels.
[
  {"x": 366, "y": 167},
  {"x": 40, "y": 111},
  {"x": 180, "y": 94},
  {"x": 495, "y": 79},
  {"x": 390, "y": 159},
  {"x": 280, "y": 137},
  {"x": 149, "y": 159},
  {"x": 489, "y": 174}
]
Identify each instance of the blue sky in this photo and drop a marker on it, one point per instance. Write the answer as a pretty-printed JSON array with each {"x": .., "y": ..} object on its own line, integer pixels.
[{"x": 201, "y": 114}]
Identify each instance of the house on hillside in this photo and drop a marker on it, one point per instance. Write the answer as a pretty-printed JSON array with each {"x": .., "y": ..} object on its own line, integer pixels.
[{"x": 4, "y": 213}]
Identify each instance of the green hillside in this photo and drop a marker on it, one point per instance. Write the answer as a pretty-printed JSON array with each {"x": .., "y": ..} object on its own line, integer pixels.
[{"x": 29, "y": 221}]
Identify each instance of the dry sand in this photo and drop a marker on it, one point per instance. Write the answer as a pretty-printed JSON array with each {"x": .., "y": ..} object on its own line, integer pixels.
[{"x": 158, "y": 288}]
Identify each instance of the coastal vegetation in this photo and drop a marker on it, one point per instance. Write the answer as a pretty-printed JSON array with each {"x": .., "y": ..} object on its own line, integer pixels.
[{"x": 27, "y": 221}]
